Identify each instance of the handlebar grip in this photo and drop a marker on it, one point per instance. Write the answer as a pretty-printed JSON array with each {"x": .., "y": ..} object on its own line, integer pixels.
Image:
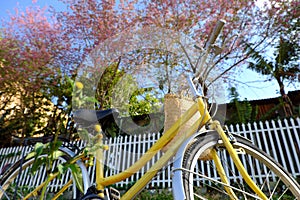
[{"x": 215, "y": 33}]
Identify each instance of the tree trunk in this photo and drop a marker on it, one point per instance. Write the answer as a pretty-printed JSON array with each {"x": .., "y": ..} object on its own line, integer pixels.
[{"x": 287, "y": 104}]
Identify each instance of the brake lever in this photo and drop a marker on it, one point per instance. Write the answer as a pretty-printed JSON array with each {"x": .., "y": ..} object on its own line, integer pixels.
[{"x": 195, "y": 92}]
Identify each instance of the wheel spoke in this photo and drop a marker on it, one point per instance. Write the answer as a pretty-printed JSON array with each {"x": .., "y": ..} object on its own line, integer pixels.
[
  {"x": 268, "y": 175},
  {"x": 220, "y": 183},
  {"x": 4, "y": 193},
  {"x": 30, "y": 185}
]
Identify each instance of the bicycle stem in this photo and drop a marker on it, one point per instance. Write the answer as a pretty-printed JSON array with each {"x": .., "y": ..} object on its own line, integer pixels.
[{"x": 208, "y": 46}]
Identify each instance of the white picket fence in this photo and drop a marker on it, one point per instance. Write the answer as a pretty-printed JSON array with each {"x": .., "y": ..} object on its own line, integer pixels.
[{"x": 279, "y": 138}]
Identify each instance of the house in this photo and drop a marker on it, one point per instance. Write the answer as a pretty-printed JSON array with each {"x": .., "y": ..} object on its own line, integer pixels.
[{"x": 265, "y": 109}]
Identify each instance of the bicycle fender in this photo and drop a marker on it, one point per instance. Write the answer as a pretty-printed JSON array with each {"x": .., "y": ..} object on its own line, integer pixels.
[{"x": 177, "y": 179}]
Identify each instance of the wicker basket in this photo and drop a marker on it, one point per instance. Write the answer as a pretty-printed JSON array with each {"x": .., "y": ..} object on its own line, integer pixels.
[{"x": 174, "y": 107}]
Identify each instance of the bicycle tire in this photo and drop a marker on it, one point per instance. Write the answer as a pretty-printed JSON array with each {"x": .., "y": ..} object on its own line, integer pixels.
[
  {"x": 269, "y": 175},
  {"x": 29, "y": 181}
]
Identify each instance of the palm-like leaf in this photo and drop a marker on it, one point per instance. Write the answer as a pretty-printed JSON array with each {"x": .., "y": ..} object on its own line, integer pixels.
[
  {"x": 260, "y": 64},
  {"x": 284, "y": 65}
]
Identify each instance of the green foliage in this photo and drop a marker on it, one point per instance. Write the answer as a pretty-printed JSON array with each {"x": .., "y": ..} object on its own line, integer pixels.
[
  {"x": 283, "y": 67},
  {"x": 244, "y": 111},
  {"x": 143, "y": 102},
  {"x": 53, "y": 153},
  {"x": 107, "y": 82},
  {"x": 121, "y": 91},
  {"x": 297, "y": 110},
  {"x": 155, "y": 195},
  {"x": 51, "y": 149},
  {"x": 42, "y": 112},
  {"x": 35, "y": 94},
  {"x": 22, "y": 189},
  {"x": 76, "y": 173}
]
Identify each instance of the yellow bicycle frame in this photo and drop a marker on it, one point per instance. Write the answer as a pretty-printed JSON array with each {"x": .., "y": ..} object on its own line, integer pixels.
[
  {"x": 205, "y": 118},
  {"x": 168, "y": 136}
]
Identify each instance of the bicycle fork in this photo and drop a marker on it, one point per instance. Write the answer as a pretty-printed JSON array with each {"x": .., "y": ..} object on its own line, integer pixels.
[
  {"x": 99, "y": 168},
  {"x": 215, "y": 125}
]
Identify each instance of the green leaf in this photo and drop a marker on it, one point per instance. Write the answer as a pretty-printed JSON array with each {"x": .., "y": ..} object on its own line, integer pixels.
[
  {"x": 57, "y": 154},
  {"x": 61, "y": 168},
  {"x": 37, "y": 164},
  {"x": 91, "y": 99},
  {"x": 76, "y": 172},
  {"x": 57, "y": 144},
  {"x": 38, "y": 148},
  {"x": 30, "y": 155}
]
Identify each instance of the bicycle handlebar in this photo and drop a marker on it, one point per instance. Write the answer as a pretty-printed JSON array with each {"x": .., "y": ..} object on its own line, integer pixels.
[
  {"x": 215, "y": 34},
  {"x": 209, "y": 44}
]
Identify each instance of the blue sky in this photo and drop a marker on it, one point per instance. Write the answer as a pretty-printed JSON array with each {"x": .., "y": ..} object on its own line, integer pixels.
[
  {"x": 7, "y": 6},
  {"x": 250, "y": 88}
]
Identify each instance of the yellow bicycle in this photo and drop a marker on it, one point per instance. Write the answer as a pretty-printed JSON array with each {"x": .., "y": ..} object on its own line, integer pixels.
[
  {"x": 193, "y": 154},
  {"x": 254, "y": 174}
]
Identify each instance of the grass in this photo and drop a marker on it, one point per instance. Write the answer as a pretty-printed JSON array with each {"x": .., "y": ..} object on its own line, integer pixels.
[
  {"x": 165, "y": 194},
  {"x": 155, "y": 195}
]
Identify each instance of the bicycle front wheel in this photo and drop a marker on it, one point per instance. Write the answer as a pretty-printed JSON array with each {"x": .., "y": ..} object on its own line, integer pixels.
[
  {"x": 19, "y": 181},
  {"x": 201, "y": 179}
]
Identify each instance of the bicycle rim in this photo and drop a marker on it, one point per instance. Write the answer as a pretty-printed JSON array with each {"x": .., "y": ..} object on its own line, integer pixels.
[
  {"x": 19, "y": 181},
  {"x": 273, "y": 180}
]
